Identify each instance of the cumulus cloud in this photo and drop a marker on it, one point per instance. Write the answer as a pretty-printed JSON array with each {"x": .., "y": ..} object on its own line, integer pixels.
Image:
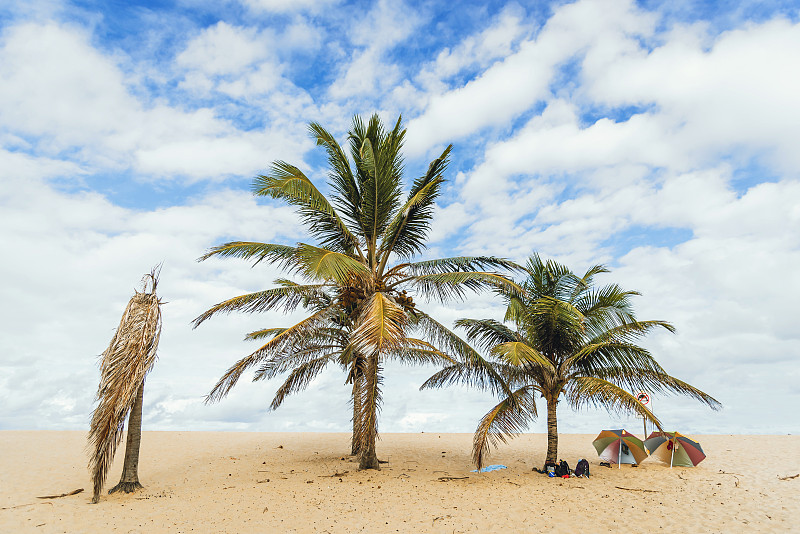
[
  {"x": 289, "y": 6},
  {"x": 513, "y": 85},
  {"x": 384, "y": 26},
  {"x": 733, "y": 93},
  {"x": 84, "y": 256},
  {"x": 65, "y": 97}
]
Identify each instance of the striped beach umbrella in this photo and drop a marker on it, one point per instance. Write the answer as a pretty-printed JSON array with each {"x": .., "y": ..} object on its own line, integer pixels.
[
  {"x": 675, "y": 449},
  {"x": 619, "y": 447}
]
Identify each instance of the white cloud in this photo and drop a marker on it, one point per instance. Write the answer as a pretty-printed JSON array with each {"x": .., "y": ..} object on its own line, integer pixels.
[
  {"x": 288, "y": 6},
  {"x": 224, "y": 49},
  {"x": 55, "y": 84},
  {"x": 383, "y": 27},
  {"x": 477, "y": 50},
  {"x": 513, "y": 85},
  {"x": 77, "y": 259},
  {"x": 740, "y": 94},
  {"x": 71, "y": 98}
]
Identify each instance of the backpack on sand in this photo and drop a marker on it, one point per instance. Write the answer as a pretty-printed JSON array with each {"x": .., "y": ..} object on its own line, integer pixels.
[
  {"x": 562, "y": 469},
  {"x": 582, "y": 469}
]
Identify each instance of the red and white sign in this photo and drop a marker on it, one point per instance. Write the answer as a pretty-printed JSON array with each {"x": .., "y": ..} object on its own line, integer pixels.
[{"x": 643, "y": 397}]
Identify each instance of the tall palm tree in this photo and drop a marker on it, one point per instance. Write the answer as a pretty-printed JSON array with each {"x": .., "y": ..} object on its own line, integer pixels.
[
  {"x": 123, "y": 368},
  {"x": 366, "y": 236},
  {"x": 569, "y": 339}
]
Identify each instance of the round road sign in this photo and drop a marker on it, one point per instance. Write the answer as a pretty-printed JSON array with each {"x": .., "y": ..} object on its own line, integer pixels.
[{"x": 643, "y": 397}]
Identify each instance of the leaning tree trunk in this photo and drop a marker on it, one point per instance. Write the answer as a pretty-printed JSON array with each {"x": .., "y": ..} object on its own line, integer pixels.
[
  {"x": 368, "y": 425},
  {"x": 129, "y": 481},
  {"x": 552, "y": 430},
  {"x": 354, "y": 445}
]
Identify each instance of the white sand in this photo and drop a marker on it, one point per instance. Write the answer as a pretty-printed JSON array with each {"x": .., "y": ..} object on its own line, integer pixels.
[{"x": 245, "y": 482}]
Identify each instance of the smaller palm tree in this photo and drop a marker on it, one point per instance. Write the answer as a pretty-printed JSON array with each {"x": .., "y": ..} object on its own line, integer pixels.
[
  {"x": 123, "y": 368},
  {"x": 570, "y": 340}
]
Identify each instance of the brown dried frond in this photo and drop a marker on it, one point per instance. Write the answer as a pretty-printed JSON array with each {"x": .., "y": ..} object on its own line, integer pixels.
[{"x": 123, "y": 367}]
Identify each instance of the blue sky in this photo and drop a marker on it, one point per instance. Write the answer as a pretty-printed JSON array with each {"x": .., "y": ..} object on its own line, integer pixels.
[{"x": 656, "y": 138}]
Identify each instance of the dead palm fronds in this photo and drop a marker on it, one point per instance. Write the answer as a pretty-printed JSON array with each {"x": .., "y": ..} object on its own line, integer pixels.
[{"x": 123, "y": 367}]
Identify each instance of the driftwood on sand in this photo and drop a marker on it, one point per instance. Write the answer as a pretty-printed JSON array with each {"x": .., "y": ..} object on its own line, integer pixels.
[
  {"x": 123, "y": 367},
  {"x": 73, "y": 492}
]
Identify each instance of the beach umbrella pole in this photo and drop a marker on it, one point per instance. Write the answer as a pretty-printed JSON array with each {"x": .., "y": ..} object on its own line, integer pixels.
[{"x": 672, "y": 457}]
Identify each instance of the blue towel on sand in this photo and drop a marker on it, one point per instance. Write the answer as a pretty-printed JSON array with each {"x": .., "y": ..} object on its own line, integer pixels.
[{"x": 489, "y": 468}]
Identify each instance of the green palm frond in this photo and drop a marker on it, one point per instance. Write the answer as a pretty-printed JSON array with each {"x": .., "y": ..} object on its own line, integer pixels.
[
  {"x": 606, "y": 307},
  {"x": 419, "y": 352},
  {"x": 655, "y": 382},
  {"x": 348, "y": 197},
  {"x": 287, "y": 182},
  {"x": 323, "y": 264},
  {"x": 460, "y": 264},
  {"x": 376, "y": 154},
  {"x": 301, "y": 377},
  {"x": 265, "y": 333},
  {"x": 447, "y": 286},
  {"x": 486, "y": 333},
  {"x": 509, "y": 417},
  {"x": 406, "y": 233},
  {"x": 516, "y": 311},
  {"x": 274, "y": 346},
  {"x": 482, "y": 375},
  {"x": 550, "y": 279},
  {"x": 557, "y": 324},
  {"x": 471, "y": 370},
  {"x": 595, "y": 357},
  {"x": 291, "y": 358},
  {"x": 632, "y": 330},
  {"x": 520, "y": 354},
  {"x": 592, "y": 391},
  {"x": 282, "y": 254},
  {"x": 587, "y": 280},
  {"x": 287, "y": 297},
  {"x": 443, "y": 338}
]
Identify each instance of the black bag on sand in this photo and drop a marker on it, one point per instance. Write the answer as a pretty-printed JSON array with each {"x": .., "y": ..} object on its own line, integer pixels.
[
  {"x": 562, "y": 469},
  {"x": 582, "y": 469}
]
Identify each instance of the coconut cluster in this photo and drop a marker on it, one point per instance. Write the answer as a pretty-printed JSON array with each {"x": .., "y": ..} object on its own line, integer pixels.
[
  {"x": 352, "y": 296},
  {"x": 405, "y": 301}
]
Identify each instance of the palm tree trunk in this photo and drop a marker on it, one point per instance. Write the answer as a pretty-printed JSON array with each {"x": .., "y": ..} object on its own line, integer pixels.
[
  {"x": 129, "y": 481},
  {"x": 354, "y": 445},
  {"x": 369, "y": 424},
  {"x": 552, "y": 430}
]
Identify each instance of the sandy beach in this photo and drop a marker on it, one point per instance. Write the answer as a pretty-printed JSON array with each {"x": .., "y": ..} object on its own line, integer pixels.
[{"x": 304, "y": 482}]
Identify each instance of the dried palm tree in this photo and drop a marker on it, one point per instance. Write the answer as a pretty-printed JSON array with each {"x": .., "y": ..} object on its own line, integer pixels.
[
  {"x": 361, "y": 232},
  {"x": 123, "y": 367},
  {"x": 569, "y": 339}
]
